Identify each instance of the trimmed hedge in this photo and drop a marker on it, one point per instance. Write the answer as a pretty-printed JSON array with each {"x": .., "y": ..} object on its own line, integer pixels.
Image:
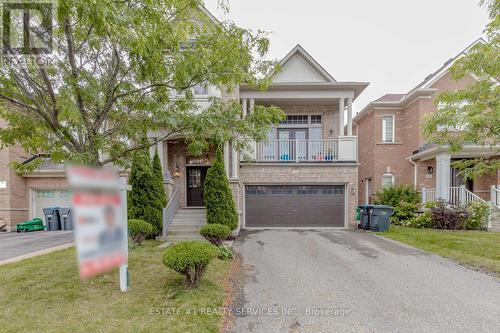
[
  {"x": 218, "y": 197},
  {"x": 190, "y": 258},
  {"x": 215, "y": 233},
  {"x": 139, "y": 230},
  {"x": 394, "y": 195}
]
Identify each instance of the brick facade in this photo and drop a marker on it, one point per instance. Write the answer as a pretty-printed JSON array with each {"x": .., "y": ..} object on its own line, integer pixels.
[{"x": 377, "y": 158}]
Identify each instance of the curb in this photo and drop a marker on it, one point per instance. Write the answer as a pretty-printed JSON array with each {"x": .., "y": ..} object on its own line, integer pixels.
[{"x": 37, "y": 253}]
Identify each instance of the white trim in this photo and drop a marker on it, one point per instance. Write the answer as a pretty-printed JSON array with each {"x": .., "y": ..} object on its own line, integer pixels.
[
  {"x": 393, "y": 139},
  {"x": 300, "y": 50}
]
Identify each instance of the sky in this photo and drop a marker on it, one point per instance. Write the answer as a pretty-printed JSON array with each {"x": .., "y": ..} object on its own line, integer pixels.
[{"x": 393, "y": 44}]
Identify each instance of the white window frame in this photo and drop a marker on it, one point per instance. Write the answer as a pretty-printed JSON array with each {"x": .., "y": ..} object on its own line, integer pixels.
[
  {"x": 384, "y": 138},
  {"x": 388, "y": 175}
]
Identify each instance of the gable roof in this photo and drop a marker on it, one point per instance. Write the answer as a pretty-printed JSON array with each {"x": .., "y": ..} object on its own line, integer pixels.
[
  {"x": 424, "y": 88},
  {"x": 300, "y": 66}
]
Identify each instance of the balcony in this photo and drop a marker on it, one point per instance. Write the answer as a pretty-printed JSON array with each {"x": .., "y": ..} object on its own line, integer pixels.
[{"x": 343, "y": 149}]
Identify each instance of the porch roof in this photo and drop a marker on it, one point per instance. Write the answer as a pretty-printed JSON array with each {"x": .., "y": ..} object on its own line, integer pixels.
[{"x": 468, "y": 151}]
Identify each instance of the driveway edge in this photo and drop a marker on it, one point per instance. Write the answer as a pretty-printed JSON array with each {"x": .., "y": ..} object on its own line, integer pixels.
[{"x": 37, "y": 253}]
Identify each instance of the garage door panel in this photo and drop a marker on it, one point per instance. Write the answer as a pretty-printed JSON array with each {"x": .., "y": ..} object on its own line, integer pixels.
[{"x": 295, "y": 206}]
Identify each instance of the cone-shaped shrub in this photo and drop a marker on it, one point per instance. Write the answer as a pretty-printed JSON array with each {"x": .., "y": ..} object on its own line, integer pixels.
[
  {"x": 158, "y": 179},
  {"x": 143, "y": 203},
  {"x": 218, "y": 197}
]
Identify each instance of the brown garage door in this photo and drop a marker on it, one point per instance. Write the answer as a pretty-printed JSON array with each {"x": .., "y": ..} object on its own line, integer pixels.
[{"x": 295, "y": 206}]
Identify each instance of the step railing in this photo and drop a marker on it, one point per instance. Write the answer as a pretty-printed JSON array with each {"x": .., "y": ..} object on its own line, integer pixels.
[
  {"x": 168, "y": 213},
  {"x": 495, "y": 195},
  {"x": 428, "y": 195}
]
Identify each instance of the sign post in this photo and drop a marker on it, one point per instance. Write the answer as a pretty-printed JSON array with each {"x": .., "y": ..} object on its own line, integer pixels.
[{"x": 99, "y": 205}]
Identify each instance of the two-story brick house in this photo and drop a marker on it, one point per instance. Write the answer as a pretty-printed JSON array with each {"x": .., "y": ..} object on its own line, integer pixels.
[{"x": 393, "y": 149}]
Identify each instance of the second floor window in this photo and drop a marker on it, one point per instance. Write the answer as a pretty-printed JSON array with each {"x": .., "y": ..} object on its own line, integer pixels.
[
  {"x": 388, "y": 128},
  {"x": 200, "y": 89}
]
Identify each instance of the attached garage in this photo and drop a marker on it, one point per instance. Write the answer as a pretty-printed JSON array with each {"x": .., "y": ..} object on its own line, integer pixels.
[
  {"x": 294, "y": 206},
  {"x": 48, "y": 198}
]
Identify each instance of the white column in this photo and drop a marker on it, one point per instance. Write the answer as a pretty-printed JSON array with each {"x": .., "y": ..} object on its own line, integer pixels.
[
  {"x": 252, "y": 105},
  {"x": 244, "y": 108},
  {"x": 349, "y": 116},
  {"x": 159, "y": 146},
  {"x": 443, "y": 176},
  {"x": 234, "y": 163},
  {"x": 226, "y": 158},
  {"x": 341, "y": 116}
]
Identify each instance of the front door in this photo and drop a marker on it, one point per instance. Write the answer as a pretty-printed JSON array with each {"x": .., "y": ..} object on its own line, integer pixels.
[{"x": 195, "y": 183}]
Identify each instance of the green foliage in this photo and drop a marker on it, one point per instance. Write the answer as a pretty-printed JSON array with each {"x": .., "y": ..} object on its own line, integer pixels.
[
  {"x": 445, "y": 216},
  {"x": 218, "y": 197},
  {"x": 431, "y": 204},
  {"x": 471, "y": 114},
  {"x": 158, "y": 180},
  {"x": 394, "y": 195},
  {"x": 225, "y": 252},
  {"x": 190, "y": 258},
  {"x": 114, "y": 73},
  {"x": 143, "y": 202},
  {"x": 478, "y": 214},
  {"x": 215, "y": 233},
  {"x": 139, "y": 230},
  {"x": 423, "y": 220},
  {"x": 403, "y": 211}
]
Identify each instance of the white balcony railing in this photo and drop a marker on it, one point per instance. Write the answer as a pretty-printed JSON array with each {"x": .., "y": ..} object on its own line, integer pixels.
[{"x": 326, "y": 150}]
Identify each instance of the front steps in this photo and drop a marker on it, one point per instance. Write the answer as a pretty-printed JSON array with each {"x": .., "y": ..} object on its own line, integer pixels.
[
  {"x": 495, "y": 219},
  {"x": 186, "y": 225}
]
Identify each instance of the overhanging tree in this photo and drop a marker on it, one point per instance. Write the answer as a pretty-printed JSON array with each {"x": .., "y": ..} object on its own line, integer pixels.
[
  {"x": 472, "y": 114},
  {"x": 121, "y": 69}
]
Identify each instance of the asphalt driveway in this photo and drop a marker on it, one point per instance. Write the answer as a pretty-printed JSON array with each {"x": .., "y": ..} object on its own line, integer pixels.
[
  {"x": 18, "y": 244},
  {"x": 352, "y": 281}
]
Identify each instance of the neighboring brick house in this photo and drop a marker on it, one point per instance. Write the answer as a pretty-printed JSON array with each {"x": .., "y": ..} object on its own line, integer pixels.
[{"x": 393, "y": 149}]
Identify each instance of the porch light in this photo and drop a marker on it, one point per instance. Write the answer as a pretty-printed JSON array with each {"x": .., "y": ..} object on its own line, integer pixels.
[
  {"x": 177, "y": 170},
  {"x": 430, "y": 170}
]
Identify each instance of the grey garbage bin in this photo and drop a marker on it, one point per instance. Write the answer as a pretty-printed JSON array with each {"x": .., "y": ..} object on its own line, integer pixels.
[
  {"x": 52, "y": 218},
  {"x": 364, "y": 222},
  {"x": 380, "y": 217},
  {"x": 66, "y": 218}
]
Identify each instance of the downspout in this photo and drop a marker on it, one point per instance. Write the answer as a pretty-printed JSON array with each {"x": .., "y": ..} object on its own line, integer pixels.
[{"x": 415, "y": 173}]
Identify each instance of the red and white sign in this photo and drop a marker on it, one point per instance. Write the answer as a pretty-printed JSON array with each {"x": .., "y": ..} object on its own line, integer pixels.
[{"x": 100, "y": 221}]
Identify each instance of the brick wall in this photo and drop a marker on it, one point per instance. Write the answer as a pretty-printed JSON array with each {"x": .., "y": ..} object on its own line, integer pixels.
[{"x": 302, "y": 174}]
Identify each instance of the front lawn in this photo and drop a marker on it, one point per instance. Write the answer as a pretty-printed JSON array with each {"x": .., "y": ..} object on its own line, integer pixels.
[
  {"x": 44, "y": 294},
  {"x": 476, "y": 249}
]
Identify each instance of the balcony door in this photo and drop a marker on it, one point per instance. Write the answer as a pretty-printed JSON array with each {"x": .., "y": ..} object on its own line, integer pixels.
[{"x": 292, "y": 144}]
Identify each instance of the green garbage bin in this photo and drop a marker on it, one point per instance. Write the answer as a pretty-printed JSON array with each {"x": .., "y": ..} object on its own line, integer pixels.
[{"x": 380, "y": 217}]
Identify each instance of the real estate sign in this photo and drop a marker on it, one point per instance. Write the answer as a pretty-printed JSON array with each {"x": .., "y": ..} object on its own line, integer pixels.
[{"x": 99, "y": 217}]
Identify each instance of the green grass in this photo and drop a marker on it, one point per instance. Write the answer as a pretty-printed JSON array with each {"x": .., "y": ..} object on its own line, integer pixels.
[
  {"x": 44, "y": 294},
  {"x": 476, "y": 249}
]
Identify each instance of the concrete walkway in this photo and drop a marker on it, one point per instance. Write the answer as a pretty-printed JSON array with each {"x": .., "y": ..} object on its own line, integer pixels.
[
  {"x": 352, "y": 281},
  {"x": 15, "y": 246}
]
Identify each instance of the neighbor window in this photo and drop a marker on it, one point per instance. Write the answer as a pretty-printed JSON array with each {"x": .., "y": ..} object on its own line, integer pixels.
[
  {"x": 388, "y": 128},
  {"x": 200, "y": 89},
  {"x": 387, "y": 180}
]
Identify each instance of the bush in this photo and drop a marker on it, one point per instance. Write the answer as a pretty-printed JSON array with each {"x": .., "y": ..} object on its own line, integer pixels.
[
  {"x": 218, "y": 196},
  {"x": 403, "y": 211},
  {"x": 450, "y": 217},
  {"x": 143, "y": 202},
  {"x": 139, "y": 230},
  {"x": 478, "y": 215},
  {"x": 394, "y": 195},
  {"x": 190, "y": 258},
  {"x": 158, "y": 180},
  {"x": 225, "y": 252},
  {"x": 423, "y": 220},
  {"x": 215, "y": 233}
]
